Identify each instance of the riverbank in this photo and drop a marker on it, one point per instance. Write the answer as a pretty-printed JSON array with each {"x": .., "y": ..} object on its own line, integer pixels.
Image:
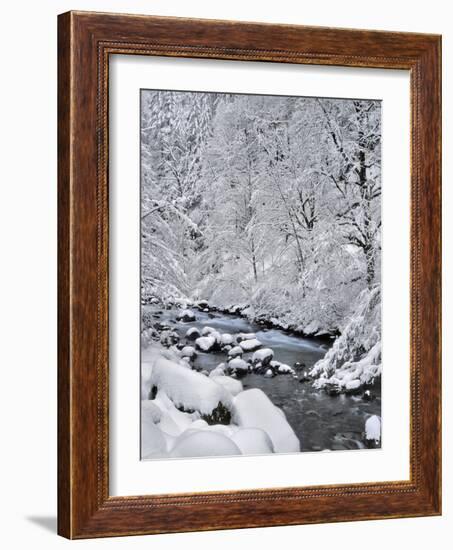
[{"x": 312, "y": 330}]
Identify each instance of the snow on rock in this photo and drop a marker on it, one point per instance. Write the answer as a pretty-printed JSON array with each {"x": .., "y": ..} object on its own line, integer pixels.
[
  {"x": 145, "y": 379},
  {"x": 226, "y": 339},
  {"x": 185, "y": 388},
  {"x": 250, "y": 344},
  {"x": 172, "y": 421},
  {"x": 230, "y": 384},
  {"x": 204, "y": 443},
  {"x": 245, "y": 336},
  {"x": 269, "y": 373},
  {"x": 373, "y": 431},
  {"x": 356, "y": 354},
  {"x": 312, "y": 328},
  {"x": 238, "y": 364},
  {"x": 151, "y": 410},
  {"x": 253, "y": 409},
  {"x": 188, "y": 351},
  {"x": 352, "y": 385},
  {"x": 253, "y": 441},
  {"x": 207, "y": 330},
  {"x": 217, "y": 337},
  {"x": 153, "y": 441},
  {"x": 235, "y": 352},
  {"x": 263, "y": 356},
  {"x": 185, "y": 315},
  {"x": 205, "y": 343},
  {"x": 192, "y": 334},
  {"x": 218, "y": 371},
  {"x": 169, "y": 338},
  {"x": 282, "y": 368}
]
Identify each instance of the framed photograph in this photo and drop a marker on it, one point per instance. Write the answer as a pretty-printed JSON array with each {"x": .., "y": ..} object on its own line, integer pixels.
[{"x": 249, "y": 275}]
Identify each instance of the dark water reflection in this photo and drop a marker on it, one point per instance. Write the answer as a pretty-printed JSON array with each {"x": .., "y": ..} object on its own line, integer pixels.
[{"x": 319, "y": 420}]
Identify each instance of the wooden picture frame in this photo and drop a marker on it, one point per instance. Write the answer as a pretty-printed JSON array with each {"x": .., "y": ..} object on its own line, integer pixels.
[{"x": 85, "y": 42}]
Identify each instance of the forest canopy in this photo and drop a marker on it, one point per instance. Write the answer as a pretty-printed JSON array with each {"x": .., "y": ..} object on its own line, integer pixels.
[{"x": 268, "y": 202}]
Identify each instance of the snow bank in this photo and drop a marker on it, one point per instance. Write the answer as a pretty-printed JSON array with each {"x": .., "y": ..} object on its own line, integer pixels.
[
  {"x": 355, "y": 358},
  {"x": 253, "y": 409},
  {"x": 204, "y": 443},
  {"x": 188, "y": 351},
  {"x": 253, "y": 441},
  {"x": 230, "y": 384},
  {"x": 145, "y": 379},
  {"x": 218, "y": 371},
  {"x": 152, "y": 439}
]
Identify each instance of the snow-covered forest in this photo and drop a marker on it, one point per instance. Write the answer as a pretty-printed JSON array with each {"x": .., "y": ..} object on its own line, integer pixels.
[{"x": 267, "y": 209}]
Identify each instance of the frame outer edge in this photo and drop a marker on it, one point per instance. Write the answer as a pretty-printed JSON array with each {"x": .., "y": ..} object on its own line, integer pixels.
[
  {"x": 64, "y": 527},
  {"x": 82, "y": 510}
]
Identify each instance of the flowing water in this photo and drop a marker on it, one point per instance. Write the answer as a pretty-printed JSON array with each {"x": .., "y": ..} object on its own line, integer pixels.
[{"x": 320, "y": 421}]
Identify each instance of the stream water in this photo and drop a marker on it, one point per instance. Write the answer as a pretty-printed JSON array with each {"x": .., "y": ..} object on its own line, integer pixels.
[{"x": 319, "y": 420}]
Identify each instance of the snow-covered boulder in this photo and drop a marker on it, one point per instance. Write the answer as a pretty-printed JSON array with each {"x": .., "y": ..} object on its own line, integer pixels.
[
  {"x": 153, "y": 441},
  {"x": 373, "y": 431},
  {"x": 205, "y": 343},
  {"x": 187, "y": 389},
  {"x": 282, "y": 368},
  {"x": 237, "y": 351},
  {"x": 226, "y": 339},
  {"x": 192, "y": 334},
  {"x": 253, "y": 409},
  {"x": 217, "y": 337},
  {"x": 263, "y": 356},
  {"x": 185, "y": 315},
  {"x": 169, "y": 338},
  {"x": 269, "y": 373},
  {"x": 145, "y": 379},
  {"x": 351, "y": 386},
  {"x": 148, "y": 335},
  {"x": 253, "y": 441},
  {"x": 188, "y": 351},
  {"x": 230, "y": 384},
  {"x": 250, "y": 345},
  {"x": 218, "y": 371},
  {"x": 245, "y": 336},
  {"x": 207, "y": 330},
  {"x": 204, "y": 443},
  {"x": 238, "y": 366},
  {"x": 172, "y": 421}
]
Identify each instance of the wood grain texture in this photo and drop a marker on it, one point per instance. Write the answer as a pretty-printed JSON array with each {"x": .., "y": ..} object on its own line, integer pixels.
[{"x": 86, "y": 40}]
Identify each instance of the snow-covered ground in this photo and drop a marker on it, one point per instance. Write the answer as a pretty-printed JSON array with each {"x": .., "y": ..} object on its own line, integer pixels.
[{"x": 187, "y": 414}]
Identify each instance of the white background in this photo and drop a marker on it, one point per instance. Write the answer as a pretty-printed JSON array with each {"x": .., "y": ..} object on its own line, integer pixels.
[
  {"x": 28, "y": 274},
  {"x": 128, "y": 475}
]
